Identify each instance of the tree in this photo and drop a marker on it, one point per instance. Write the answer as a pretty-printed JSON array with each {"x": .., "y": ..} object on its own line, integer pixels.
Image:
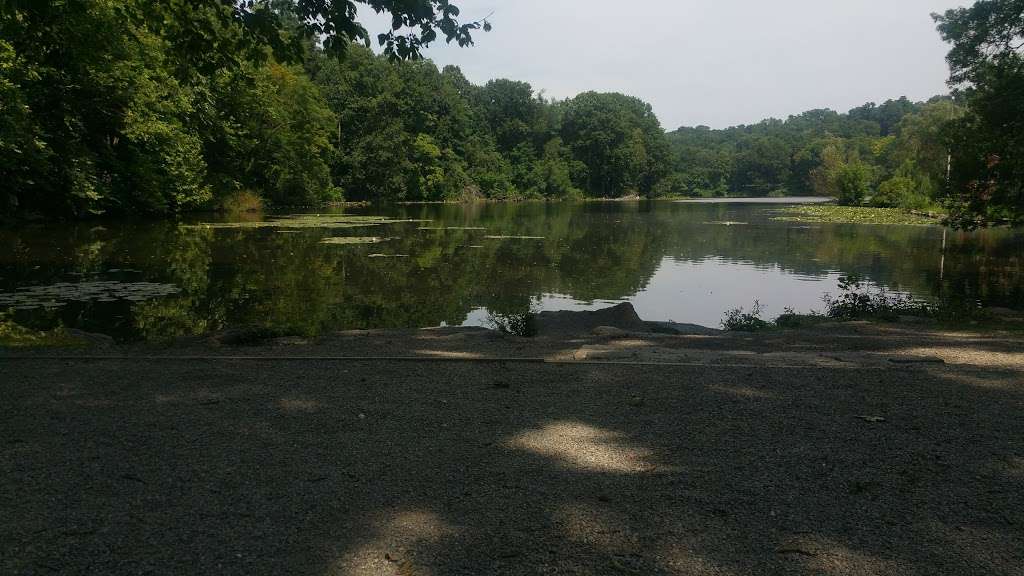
[
  {"x": 853, "y": 183},
  {"x": 619, "y": 139},
  {"x": 987, "y": 68},
  {"x": 219, "y": 30},
  {"x": 185, "y": 101}
]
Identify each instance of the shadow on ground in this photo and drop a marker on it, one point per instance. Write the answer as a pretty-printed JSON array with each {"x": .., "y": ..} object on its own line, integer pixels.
[{"x": 323, "y": 467}]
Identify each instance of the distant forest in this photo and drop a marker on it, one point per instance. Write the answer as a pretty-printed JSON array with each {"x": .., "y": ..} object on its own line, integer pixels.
[{"x": 185, "y": 107}]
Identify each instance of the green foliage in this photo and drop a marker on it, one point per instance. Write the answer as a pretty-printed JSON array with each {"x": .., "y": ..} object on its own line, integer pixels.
[
  {"x": 186, "y": 103},
  {"x": 823, "y": 153},
  {"x": 174, "y": 108},
  {"x": 987, "y": 66},
  {"x": 620, "y": 141},
  {"x": 293, "y": 128},
  {"x": 739, "y": 320},
  {"x": 14, "y": 335},
  {"x": 673, "y": 185},
  {"x": 522, "y": 324},
  {"x": 853, "y": 183},
  {"x": 790, "y": 320},
  {"x": 857, "y": 301},
  {"x": 900, "y": 192},
  {"x": 851, "y": 215}
]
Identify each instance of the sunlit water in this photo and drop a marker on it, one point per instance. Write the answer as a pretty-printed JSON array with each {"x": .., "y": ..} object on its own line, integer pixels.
[{"x": 673, "y": 261}]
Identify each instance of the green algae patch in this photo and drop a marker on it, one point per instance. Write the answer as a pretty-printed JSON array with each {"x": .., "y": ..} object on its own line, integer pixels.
[
  {"x": 301, "y": 221},
  {"x": 348, "y": 240},
  {"x": 826, "y": 214}
]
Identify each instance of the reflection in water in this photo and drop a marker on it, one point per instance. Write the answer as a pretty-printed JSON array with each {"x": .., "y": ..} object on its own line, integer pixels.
[{"x": 457, "y": 263}]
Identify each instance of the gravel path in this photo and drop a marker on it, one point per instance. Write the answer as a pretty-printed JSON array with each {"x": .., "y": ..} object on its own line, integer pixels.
[{"x": 805, "y": 453}]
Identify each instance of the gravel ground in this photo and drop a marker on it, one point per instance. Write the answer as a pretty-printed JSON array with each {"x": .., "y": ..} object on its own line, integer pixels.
[{"x": 858, "y": 451}]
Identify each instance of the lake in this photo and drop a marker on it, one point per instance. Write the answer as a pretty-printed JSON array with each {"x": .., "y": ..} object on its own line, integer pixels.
[{"x": 432, "y": 265}]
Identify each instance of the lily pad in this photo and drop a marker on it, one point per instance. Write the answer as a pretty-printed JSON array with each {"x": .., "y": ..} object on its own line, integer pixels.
[
  {"x": 852, "y": 215},
  {"x": 57, "y": 295},
  {"x": 345, "y": 240}
]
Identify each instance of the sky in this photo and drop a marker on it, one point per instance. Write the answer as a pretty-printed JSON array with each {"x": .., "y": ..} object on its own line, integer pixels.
[{"x": 717, "y": 63}]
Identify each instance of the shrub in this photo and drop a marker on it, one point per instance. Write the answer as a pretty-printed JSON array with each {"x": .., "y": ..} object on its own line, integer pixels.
[
  {"x": 853, "y": 183},
  {"x": 241, "y": 201},
  {"x": 857, "y": 301},
  {"x": 739, "y": 320},
  {"x": 517, "y": 323},
  {"x": 900, "y": 192}
]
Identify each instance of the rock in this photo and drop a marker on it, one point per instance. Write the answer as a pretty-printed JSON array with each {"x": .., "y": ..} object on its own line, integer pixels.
[
  {"x": 918, "y": 360},
  {"x": 92, "y": 338},
  {"x": 906, "y": 319},
  {"x": 872, "y": 419},
  {"x": 681, "y": 329},
  {"x": 1005, "y": 314},
  {"x": 622, "y": 316},
  {"x": 289, "y": 341},
  {"x": 247, "y": 336},
  {"x": 609, "y": 331}
]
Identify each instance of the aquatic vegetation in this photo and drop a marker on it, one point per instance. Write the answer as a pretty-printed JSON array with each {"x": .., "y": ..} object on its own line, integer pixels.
[
  {"x": 345, "y": 240},
  {"x": 58, "y": 295},
  {"x": 14, "y": 335},
  {"x": 852, "y": 215},
  {"x": 300, "y": 221}
]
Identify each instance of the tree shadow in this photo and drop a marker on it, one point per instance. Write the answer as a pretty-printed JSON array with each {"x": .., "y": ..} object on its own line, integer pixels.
[{"x": 461, "y": 468}]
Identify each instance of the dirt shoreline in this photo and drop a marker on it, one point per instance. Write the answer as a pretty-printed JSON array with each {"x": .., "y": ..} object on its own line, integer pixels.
[{"x": 839, "y": 449}]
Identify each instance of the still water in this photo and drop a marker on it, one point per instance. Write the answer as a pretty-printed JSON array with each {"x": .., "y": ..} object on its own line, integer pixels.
[{"x": 433, "y": 265}]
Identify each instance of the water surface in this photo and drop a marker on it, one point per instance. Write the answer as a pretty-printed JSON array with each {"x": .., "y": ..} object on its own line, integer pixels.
[{"x": 432, "y": 265}]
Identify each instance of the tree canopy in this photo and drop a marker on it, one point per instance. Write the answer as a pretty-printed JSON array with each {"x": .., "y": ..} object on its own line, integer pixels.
[
  {"x": 186, "y": 103},
  {"x": 987, "y": 67}
]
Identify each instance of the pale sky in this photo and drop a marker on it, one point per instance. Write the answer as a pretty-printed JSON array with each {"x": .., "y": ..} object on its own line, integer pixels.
[{"x": 713, "y": 62}]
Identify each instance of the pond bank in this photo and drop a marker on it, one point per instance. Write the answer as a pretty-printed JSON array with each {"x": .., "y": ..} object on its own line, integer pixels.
[{"x": 852, "y": 449}]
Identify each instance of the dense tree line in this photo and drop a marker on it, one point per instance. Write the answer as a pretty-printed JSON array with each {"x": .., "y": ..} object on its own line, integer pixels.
[
  {"x": 893, "y": 154},
  {"x": 187, "y": 103}
]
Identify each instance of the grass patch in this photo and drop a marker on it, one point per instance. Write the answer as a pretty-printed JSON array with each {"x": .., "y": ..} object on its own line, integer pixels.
[
  {"x": 241, "y": 201},
  {"x": 14, "y": 335},
  {"x": 852, "y": 215}
]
